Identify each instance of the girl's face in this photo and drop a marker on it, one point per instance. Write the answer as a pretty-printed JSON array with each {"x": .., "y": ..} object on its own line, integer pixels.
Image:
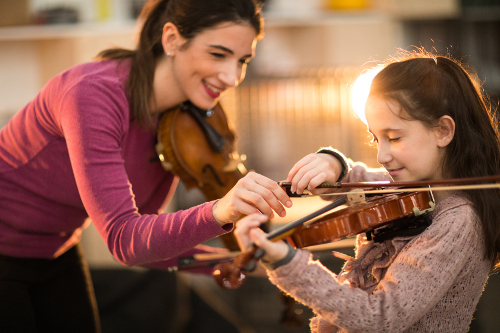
[
  {"x": 212, "y": 62},
  {"x": 407, "y": 149}
]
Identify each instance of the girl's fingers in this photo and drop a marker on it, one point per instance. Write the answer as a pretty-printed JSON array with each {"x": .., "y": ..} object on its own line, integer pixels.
[
  {"x": 244, "y": 226},
  {"x": 275, "y": 251}
]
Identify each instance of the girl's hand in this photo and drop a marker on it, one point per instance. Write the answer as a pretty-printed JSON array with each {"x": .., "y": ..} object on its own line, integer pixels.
[
  {"x": 247, "y": 232},
  {"x": 313, "y": 170},
  {"x": 252, "y": 194}
]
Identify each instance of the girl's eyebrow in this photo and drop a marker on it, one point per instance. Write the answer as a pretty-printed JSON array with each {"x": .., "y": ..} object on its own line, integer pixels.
[
  {"x": 386, "y": 130},
  {"x": 225, "y": 49}
]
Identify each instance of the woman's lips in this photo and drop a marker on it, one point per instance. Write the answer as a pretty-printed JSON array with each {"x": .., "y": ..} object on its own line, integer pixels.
[{"x": 210, "y": 90}]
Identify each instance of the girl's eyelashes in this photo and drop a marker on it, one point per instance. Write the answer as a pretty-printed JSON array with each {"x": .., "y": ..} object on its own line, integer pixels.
[
  {"x": 375, "y": 140},
  {"x": 217, "y": 55}
]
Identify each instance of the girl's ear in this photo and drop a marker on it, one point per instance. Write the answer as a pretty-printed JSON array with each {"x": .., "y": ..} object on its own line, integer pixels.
[
  {"x": 445, "y": 131},
  {"x": 170, "y": 38}
]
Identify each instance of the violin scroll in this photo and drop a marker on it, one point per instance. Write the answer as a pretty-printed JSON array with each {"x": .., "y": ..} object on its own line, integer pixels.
[{"x": 232, "y": 275}]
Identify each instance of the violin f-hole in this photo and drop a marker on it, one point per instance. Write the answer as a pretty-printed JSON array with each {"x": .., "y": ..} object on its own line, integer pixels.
[{"x": 214, "y": 174}]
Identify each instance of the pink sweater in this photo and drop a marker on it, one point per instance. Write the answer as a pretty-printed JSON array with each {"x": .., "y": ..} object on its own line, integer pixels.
[
  {"x": 427, "y": 283},
  {"x": 72, "y": 153}
]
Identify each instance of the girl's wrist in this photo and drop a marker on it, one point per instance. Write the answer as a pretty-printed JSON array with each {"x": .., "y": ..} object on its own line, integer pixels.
[
  {"x": 340, "y": 157},
  {"x": 285, "y": 260}
]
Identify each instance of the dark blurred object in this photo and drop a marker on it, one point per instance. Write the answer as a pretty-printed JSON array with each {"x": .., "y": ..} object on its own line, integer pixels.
[
  {"x": 14, "y": 12},
  {"x": 480, "y": 3},
  {"x": 136, "y": 7},
  {"x": 57, "y": 15}
]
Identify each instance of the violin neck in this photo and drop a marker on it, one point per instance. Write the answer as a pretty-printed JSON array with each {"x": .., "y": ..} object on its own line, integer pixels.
[{"x": 281, "y": 232}]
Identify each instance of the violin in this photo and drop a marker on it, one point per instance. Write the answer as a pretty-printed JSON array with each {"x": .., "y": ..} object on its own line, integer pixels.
[
  {"x": 199, "y": 147},
  {"x": 361, "y": 215}
]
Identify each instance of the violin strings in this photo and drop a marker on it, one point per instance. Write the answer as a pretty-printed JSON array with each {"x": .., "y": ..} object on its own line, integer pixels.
[{"x": 416, "y": 189}]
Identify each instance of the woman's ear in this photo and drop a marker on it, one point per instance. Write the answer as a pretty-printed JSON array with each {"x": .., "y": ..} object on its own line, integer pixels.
[
  {"x": 445, "y": 131},
  {"x": 170, "y": 38}
]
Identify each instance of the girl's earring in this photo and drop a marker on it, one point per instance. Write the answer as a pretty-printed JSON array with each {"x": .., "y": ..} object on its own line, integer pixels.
[{"x": 168, "y": 54}]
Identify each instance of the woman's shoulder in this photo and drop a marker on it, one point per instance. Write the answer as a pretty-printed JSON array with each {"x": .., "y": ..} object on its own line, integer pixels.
[
  {"x": 93, "y": 91},
  {"x": 109, "y": 73}
]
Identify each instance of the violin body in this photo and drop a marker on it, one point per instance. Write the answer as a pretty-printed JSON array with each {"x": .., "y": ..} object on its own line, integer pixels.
[
  {"x": 199, "y": 147},
  {"x": 359, "y": 218}
]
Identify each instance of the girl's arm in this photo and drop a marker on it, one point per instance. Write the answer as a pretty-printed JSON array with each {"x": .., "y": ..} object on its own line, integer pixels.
[{"x": 414, "y": 283}]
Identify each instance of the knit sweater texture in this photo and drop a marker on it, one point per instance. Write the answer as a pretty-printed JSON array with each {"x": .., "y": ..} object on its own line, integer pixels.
[
  {"x": 72, "y": 153},
  {"x": 431, "y": 282}
]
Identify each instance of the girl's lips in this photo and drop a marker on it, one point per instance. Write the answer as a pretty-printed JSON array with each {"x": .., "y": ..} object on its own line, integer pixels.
[
  {"x": 209, "y": 91},
  {"x": 394, "y": 172}
]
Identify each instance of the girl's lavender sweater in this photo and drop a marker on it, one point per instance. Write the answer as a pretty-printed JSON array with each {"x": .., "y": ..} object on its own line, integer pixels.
[{"x": 425, "y": 283}]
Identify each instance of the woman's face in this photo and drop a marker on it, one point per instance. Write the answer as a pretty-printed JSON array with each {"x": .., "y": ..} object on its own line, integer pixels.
[
  {"x": 204, "y": 68},
  {"x": 407, "y": 149}
]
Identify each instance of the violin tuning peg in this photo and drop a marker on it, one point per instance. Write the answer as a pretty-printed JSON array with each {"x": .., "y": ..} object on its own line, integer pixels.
[
  {"x": 250, "y": 266},
  {"x": 259, "y": 253}
]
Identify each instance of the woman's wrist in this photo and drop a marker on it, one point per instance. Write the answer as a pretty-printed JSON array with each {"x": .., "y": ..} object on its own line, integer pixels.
[{"x": 214, "y": 214}]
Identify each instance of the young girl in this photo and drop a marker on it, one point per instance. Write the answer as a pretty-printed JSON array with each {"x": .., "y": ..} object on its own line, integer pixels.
[{"x": 429, "y": 121}]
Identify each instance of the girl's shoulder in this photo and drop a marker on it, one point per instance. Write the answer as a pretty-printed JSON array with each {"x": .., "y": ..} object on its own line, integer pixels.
[
  {"x": 453, "y": 207},
  {"x": 455, "y": 217}
]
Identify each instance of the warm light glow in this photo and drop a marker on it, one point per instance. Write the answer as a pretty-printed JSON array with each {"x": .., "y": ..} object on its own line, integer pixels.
[{"x": 360, "y": 90}]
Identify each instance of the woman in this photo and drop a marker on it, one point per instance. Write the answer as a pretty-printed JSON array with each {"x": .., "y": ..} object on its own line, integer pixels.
[{"x": 82, "y": 148}]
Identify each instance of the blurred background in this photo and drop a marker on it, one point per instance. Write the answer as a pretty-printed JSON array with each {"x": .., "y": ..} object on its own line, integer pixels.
[{"x": 295, "y": 99}]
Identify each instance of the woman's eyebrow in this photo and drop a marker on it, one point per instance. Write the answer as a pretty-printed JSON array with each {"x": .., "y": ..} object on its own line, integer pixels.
[{"x": 225, "y": 49}]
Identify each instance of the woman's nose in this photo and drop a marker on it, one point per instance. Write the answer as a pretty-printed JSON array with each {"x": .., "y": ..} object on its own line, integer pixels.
[{"x": 231, "y": 76}]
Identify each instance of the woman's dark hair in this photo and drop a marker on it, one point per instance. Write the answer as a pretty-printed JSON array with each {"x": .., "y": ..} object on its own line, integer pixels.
[
  {"x": 428, "y": 87},
  {"x": 190, "y": 17}
]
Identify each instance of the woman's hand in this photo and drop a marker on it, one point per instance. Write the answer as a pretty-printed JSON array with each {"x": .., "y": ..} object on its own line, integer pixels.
[
  {"x": 247, "y": 232},
  {"x": 252, "y": 194},
  {"x": 313, "y": 170}
]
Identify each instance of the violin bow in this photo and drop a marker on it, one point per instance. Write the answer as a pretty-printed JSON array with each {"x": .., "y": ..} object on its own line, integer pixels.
[
  {"x": 382, "y": 185},
  {"x": 279, "y": 233}
]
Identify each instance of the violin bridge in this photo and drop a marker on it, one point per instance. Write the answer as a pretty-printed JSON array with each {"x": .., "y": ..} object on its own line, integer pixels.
[{"x": 356, "y": 196}]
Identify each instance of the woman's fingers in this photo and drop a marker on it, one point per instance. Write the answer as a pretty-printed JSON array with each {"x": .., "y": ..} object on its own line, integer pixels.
[{"x": 253, "y": 193}]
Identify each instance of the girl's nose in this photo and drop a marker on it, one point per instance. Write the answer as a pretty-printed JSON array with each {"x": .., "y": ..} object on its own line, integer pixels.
[{"x": 383, "y": 155}]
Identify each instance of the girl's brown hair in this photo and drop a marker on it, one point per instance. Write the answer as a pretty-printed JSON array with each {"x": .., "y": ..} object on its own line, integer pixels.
[
  {"x": 428, "y": 87},
  {"x": 190, "y": 17}
]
